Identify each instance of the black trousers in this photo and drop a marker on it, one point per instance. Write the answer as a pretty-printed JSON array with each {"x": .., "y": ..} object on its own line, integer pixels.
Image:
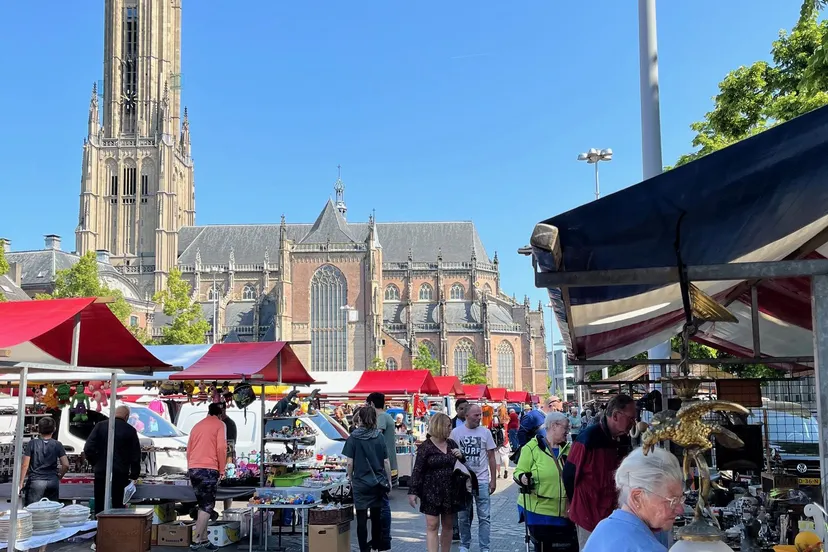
[
  {"x": 119, "y": 482},
  {"x": 554, "y": 538},
  {"x": 362, "y": 528}
]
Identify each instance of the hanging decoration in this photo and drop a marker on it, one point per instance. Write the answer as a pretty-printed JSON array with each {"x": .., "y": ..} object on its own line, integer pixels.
[
  {"x": 50, "y": 398},
  {"x": 80, "y": 404},
  {"x": 96, "y": 388},
  {"x": 64, "y": 392}
]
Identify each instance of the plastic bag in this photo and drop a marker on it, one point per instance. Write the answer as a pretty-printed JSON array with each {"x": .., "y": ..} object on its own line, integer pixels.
[{"x": 129, "y": 491}]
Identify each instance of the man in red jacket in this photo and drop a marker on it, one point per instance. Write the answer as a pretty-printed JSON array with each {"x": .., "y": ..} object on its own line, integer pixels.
[{"x": 589, "y": 472}]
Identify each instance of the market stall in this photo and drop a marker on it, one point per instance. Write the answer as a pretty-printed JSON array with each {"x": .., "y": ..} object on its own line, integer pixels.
[
  {"x": 522, "y": 397},
  {"x": 66, "y": 335},
  {"x": 414, "y": 385},
  {"x": 476, "y": 392},
  {"x": 729, "y": 251}
]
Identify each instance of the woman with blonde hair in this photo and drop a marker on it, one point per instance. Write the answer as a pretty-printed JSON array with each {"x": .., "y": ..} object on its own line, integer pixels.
[{"x": 431, "y": 482}]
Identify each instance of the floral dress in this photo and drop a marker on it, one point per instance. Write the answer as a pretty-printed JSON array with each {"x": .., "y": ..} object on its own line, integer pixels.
[{"x": 431, "y": 479}]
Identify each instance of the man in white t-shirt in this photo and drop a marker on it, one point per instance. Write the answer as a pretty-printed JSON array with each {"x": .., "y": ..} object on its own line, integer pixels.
[{"x": 479, "y": 449}]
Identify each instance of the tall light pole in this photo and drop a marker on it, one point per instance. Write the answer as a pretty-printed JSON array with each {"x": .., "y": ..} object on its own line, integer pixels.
[
  {"x": 651, "y": 135},
  {"x": 593, "y": 157},
  {"x": 214, "y": 270}
]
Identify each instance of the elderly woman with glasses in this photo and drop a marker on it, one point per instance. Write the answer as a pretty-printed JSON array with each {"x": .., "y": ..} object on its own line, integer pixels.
[
  {"x": 542, "y": 503},
  {"x": 650, "y": 496}
]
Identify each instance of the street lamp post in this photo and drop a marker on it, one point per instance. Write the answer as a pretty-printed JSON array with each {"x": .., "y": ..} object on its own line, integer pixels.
[
  {"x": 593, "y": 157},
  {"x": 214, "y": 270}
]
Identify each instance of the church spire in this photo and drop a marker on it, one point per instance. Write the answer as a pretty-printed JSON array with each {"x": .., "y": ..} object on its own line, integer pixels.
[
  {"x": 94, "y": 123},
  {"x": 339, "y": 188},
  {"x": 185, "y": 135}
]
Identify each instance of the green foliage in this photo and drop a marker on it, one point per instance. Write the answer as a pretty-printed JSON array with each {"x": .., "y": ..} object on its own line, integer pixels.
[
  {"x": 377, "y": 365},
  {"x": 188, "y": 325},
  {"x": 475, "y": 373},
  {"x": 4, "y": 268},
  {"x": 424, "y": 361},
  {"x": 82, "y": 280},
  {"x": 754, "y": 98}
]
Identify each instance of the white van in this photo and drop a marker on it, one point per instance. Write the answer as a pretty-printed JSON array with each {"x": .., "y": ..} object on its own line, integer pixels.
[
  {"x": 152, "y": 429},
  {"x": 330, "y": 436}
]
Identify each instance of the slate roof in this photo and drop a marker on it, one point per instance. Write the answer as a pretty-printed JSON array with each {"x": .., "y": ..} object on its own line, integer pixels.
[
  {"x": 10, "y": 290},
  {"x": 456, "y": 313},
  {"x": 456, "y": 240}
]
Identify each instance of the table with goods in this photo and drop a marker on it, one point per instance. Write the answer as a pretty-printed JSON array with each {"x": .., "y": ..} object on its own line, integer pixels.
[
  {"x": 45, "y": 522},
  {"x": 312, "y": 487}
]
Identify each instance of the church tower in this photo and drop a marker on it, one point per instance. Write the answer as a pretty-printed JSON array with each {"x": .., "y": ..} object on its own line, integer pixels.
[{"x": 137, "y": 184}]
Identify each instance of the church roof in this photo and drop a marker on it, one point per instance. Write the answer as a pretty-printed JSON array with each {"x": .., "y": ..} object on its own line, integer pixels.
[
  {"x": 459, "y": 312},
  {"x": 425, "y": 240}
]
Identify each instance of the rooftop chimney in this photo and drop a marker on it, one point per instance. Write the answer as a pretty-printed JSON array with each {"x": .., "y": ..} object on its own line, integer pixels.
[
  {"x": 52, "y": 241},
  {"x": 5, "y": 243},
  {"x": 102, "y": 256}
]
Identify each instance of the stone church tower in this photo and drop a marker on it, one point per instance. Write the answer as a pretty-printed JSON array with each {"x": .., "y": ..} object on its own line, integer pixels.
[{"x": 137, "y": 185}]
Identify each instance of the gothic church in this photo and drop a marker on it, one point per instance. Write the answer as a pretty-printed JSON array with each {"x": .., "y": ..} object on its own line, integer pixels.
[{"x": 348, "y": 292}]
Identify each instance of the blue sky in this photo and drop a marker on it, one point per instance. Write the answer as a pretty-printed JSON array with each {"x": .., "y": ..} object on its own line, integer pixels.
[{"x": 435, "y": 110}]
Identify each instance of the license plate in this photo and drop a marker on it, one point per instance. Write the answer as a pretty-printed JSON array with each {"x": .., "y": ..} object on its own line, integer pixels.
[{"x": 809, "y": 481}]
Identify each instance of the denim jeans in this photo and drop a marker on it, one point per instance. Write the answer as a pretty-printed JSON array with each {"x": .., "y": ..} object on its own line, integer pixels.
[
  {"x": 481, "y": 503},
  {"x": 385, "y": 518},
  {"x": 41, "y": 488}
]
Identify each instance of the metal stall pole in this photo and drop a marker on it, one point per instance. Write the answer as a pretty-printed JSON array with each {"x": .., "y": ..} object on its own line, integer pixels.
[
  {"x": 110, "y": 440},
  {"x": 18, "y": 454},
  {"x": 819, "y": 314}
]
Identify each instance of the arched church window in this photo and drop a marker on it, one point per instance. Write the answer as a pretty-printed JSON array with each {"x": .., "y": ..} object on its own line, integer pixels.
[
  {"x": 506, "y": 365},
  {"x": 392, "y": 293},
  {"x": 426, "y": 292},
  {"x": 487, "y": 289},
  {"x": 390, "y": 363},
  {"x": 328, "y": 320},
  {"x": 457, "y": 293},
  {"x": 249, "y": 292},
  {"x": 432, "y": 350},
  {"x": 463, "y": 351},
  {"x": 214, "y": 293}
]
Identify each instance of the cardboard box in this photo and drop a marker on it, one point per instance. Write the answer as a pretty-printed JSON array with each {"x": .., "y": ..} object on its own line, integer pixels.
[
  {"x": 329, "y": 538},
  {"x": 164, "y": 513},
  {"x": 223, "y": 533},
  {"x": 175, "y": 534}
]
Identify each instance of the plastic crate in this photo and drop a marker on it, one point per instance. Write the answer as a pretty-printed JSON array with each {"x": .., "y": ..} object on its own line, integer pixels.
[{"x": 290, "y": 480}]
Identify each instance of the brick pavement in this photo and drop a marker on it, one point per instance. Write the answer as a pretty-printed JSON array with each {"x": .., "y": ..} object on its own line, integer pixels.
[{"x": 407, "y": 528}]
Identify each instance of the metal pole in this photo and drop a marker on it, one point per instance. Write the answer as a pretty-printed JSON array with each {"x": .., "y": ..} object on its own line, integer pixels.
[
  {"x": 597, "y": 188},
  {"x": 650, "y": 125},
  {"x": 754, "y": 321},
  {"x": 76, "y": 339},
  {"x": 110, "y": 440},
  {"x": 215, "y": 307},
  {"x": 819, "y": 314},
  {"x": 650, "y": 113},
  {"x": 22, "y": 387}
]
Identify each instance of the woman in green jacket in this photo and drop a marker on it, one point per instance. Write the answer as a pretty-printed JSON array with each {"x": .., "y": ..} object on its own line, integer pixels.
[{"x": 542, "y": 503}]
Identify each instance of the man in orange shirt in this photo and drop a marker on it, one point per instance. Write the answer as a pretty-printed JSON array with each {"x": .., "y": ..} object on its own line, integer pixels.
[{"x": 206, "y": 461}]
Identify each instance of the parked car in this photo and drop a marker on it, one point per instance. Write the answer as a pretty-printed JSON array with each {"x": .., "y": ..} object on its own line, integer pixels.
[{"x": 330, "y": 435}]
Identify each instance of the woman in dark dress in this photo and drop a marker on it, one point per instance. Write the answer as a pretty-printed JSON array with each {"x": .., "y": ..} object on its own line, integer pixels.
[
  {"x": 370, "y": 473},
  {"x": 431, "y": 482}
]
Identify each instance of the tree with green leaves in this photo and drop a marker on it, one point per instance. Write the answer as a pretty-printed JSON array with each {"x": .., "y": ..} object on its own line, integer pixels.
[
  {"x": 754, "y": 98},
  {"x": 377, "y": 365},
  {"x": 475, "y": 373},
  {"x": 424, "y": 361},
  {"x": 82, "y": 280},
  {"x": 188, "y": 325},
  {"x": 4, "y": 268}
]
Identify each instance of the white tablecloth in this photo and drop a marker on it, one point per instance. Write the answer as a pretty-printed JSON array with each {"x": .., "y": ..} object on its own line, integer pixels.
[{"x": 42, "y": 540}]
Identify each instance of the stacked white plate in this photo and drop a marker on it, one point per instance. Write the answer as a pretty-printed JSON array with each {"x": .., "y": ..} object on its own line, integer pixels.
[
  {"x": 24, "y": 526},
  {"x": 45, "y": 516},
  {"x": 74, "y": 515}
]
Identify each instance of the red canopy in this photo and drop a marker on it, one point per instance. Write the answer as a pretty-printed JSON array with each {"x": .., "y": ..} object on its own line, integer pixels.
[
  {"x": 497, "y": 394},
  {"x": 41, "y": 332},
  {"x": 396, "y": 382},
  {"x": 449, "y": 385},
  {"x": 259, "y": 360},
  {"x": 476, "y": 392},
  {"x": 518, "y": 396}
]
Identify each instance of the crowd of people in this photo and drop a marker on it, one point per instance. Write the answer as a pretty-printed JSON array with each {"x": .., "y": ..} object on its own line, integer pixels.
[{"x": 582, "y": 486}]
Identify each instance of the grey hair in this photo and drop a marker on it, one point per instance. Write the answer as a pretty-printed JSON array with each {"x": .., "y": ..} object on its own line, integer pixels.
[
  {"x": 554, "y": 418},
  {"x": 651, "y": 473}
]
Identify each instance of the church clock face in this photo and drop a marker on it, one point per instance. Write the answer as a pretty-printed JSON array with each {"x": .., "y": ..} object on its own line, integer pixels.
[{"x": 129, "y": 101}]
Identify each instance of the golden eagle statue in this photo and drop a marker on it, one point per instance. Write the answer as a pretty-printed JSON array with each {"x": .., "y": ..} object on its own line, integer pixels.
[{"x": 687, "y": 429}]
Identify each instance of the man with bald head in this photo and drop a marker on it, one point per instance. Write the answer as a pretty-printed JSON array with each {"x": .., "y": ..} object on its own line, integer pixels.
[
  {"x": 126, "y": 458},
  {"x": 478, "y": 447}
]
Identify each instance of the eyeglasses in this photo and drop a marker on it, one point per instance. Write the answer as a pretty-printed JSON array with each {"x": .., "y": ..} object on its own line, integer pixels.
[{"x": 672, "y": 502}]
